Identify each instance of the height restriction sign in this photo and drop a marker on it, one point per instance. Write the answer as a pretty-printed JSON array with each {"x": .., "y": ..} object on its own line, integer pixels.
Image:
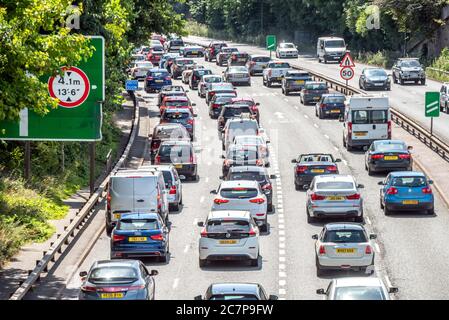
[{"x": 71, "y": 89}]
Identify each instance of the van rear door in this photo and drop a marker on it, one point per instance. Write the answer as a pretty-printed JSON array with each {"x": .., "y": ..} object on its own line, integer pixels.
[
  {"x": 121, "y": 191},
  {"x": 145, "y": 194},
  {"x": 380, "y": 125},
  {"x": 360, "y": 124}
]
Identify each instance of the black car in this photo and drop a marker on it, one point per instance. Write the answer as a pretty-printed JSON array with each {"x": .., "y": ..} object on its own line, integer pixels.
[
  {"x": 174, "y": 45},
  {"x": 195, "y": 77},
  {"x": 331, "y": 105},
  {"x": 229, "y": 111},
  {"x": 375, "y": 79},
  {"x": 259, "y": 174},
  {"x": 307, "y": 166},
  {"x": 408, "y": 69},
  {"x": 313, "y": 91},
  {"x": 181, "y": 155},
  {"x": 165, "y": 132},
  {"x": 238, "y": 59},
  {"x": 241, "y": 156},
  {"x": 217, "y": 102},
  {"x": 388, "y": 155}
]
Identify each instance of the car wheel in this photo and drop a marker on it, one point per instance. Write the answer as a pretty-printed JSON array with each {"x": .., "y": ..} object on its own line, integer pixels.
[
  {"x": 270, "y": 207},
  {"x": 423, "y": 82},
  {"x": 348, "y": 147},
  {"x": 381, "y": 204},
  {"x": 320, "y": 115},
  {"x": 297, "y": 187},
  {"x": 310, "y": 219},
  {"x": 431, "y": 212},
  {"x": 370, "y": 172},
  {"x": 268, "y": 83},
  {"x": 359, "y": 219},
  {"x": 319, "y": 271},
  {"x": 176, "y": 207},
  {"x": 387, "y": 211},
  {"x": 163, "y": 258},
  {"x": 255, "y": 262},
  {"x": 401, "y": 81},
  {"x": 202, "y": 263}
]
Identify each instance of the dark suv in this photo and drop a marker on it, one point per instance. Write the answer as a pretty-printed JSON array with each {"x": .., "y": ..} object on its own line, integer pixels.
[
  {"x": 408, "y": 69},
  {"x": 181, "y": 155},
  {"x": 166, "y": 132}
]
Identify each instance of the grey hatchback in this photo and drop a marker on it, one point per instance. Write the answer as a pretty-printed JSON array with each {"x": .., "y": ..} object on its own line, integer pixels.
[{"x": 312, "y": 92}]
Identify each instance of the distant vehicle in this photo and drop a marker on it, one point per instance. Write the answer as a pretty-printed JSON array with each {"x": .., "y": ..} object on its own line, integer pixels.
[
  {"x": 254, "y": 141},
  {"x": 357, "y": 288},
  {"x": 331, "y": 105},
  {"x": 343, "y": 246},
  {"x": 138, "y": 235},
  {"x": 236, "y": 291},
  {"x": 367, "y": 118},
  {"x": 408, "y": 69},
  {"x": 294, "y": 81},
  {"x": 237, "y": 75},
  {"x": 171, "y": 90},
  {"x": 196, "y": 75},
  {"x": 206, "y": 82},
  {"x": 167, "y": 60},
  {"x": 309, "y": 165},
  {"x": 444, "y": 97},
  {"x": 313, "y": 91},
  {"x": 164, "y": 132},
  {"x": 251, "y": 103},
  {"x": 137, "y": 58},
  {"x": 241, "y": 156},
  {"x": 140, "y": 69},
  {"x": 155, "y": 79},
  {"x": 217, "y": 102},
  {"x": 193, "y": 51},
  {"x": 374, "y": 78},
  {"x": 185, "y": 75},
  {"x": 238, "y": 59},
  {"x": 117, "y": 280},
  {"x": 257, "y": 173},
  {"x": 212, "y": 50},
  {"x": 159, "y": 37},
  {"x": 229, "y": 111},
  {"x": 224, "y": 54},
  {"x": 155, "y": 54},
  {"x": 334, "y": 196},
  {"x": 274, "y": 72},
  {"x": 216, "y": 88},
  {"x": 330, "y": 49},
  {"x": 286, "y": 50},
  {"x": 176, "y": 102},
  {"x": 179, "y": 65},
  {"x": 135, "y": 191},
  {"x": 256, "y": 63},
  {"x": 406, "y": 191},
  {"x": 182, "y": 116},
  {"x": 174, "y": 45},
  {"x": 241, "y": 126},
  {"x": 154, "y": 43},
  {"x": 144, "y": 50},
  {"x": 242, "y": 195},
  {"x": 229, "y": 235},
  {"x": 181, "y": 154},
  {"x": 388, "y": 155}
]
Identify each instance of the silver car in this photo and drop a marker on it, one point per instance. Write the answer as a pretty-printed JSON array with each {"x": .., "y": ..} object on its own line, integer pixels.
[
  {"x": 357, "y": 288},
  {"x": 223, "y": 55},
  {"x": 236, "y": 291},
  {"x": 332, "y": 196},
  {"x": 237, "y": 74},
  {"x": 205, "y": 83},
  {"x": 257, "y": 63}
]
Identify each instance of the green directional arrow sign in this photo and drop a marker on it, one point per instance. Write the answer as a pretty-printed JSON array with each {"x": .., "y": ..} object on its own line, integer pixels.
[
  {"x": 271, "y": 42},
  {"x": 432, "y": 106}
]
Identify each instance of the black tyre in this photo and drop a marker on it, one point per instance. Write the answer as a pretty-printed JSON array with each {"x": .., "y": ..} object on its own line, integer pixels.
[
  {"x": 359, "y": 219},
  {"x": 163, "y": 258},
  {"x": 270, "y": 207},
  {"x": 297, "y": 187},
  {"x": 431, "y": 212},
  {"x": 387, "y": 211},
  {"x": 254, "y": 262},
  {"x": 202, "y": 263},
  {"x": 320, "y": 114}
]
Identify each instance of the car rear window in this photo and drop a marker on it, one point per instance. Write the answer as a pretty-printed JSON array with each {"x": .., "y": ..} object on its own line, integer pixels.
[
  {"x": 137, "y": 224},
  {"x": 183, "y": 62},
  {"x": 113, "y": 274},
  {"x": 316, "y": 86},
  {"x": 177, "y": 43},
  {"x": 242, "y": 155},
  {"x": 175, "y": 151},
  {"x": 227, "y": 225},
  {"x": 234, "y": 297},
  {"x": 359, "y": 293},
  {"x": 261, "y": 59},
  {"x": 280, "y": 65},
  {"x": 369, "y": 117},
  {"x": 316, "y": 158},
  {"x": 335, "y": 185},
  {"x": 212, "y": 79},
  {"x": 409, "y": 182},
  {"x": 176, "y": 115},
  {"x": 178, "y": 103},
  {"x": 334, "y": 100},
  {"x": 239, "y": 193},
  {"x": 256, "y": 176},
  {"x": 122, "y": 185},
  {"x": 385, "y": 147},
  {"x": 236, "y": 111},
  {"x": 159, "y": 74},
  {"x": 223, "y": 99},
  {"x": 353, "y": 236}
]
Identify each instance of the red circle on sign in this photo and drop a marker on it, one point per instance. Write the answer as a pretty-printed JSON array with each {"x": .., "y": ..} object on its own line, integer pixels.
[
  {"x": 346, "y": 69},
  {"x": 80, "y": 100}
]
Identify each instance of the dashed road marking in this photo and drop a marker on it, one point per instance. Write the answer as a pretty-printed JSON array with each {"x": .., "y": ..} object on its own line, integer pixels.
[
  {"x": 326, "y": 136},
  {"x": 202, "y": 199},
  {"x": 186, "y": 248},
  {"x": 376, "y": 247},
  {"x": 175, "y": 283}
]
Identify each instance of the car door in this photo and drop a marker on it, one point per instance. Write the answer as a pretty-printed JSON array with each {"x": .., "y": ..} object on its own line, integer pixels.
[
  {"x": 360, "y": 124},
  {"x": 121, "y": 192},
  {"x": 145, "y": 194},
  {"x": 384, "y": 188},
  {"x": 378, "y": 124}
]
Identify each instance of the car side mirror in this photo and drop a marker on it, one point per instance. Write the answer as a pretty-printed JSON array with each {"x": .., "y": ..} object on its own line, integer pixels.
[
  {"x": 360, "y": 186},
  {"x": 430, "y": 181},
  {"x": 338, "y": 160},
  {"x": 195, "y": 115},
  {"x": 315, "y": 237},
  {"x": 222, "y": 157},
  {"x": 410, "y": 148},
  {"x": 150, "y": 135},
  {"x": 257, "y": 104},
  {"x": 373, "y": 236},
  {"x": 393, "y": 290},
  {"x": 320, "y": 291},
  {"x": 381, "y": 183},
  {"x": 221, "y": 177},
  {"x": 213, "y": 192},
  {"x": 193, "y": 104},
  {"x": 273, "y": 297},
  {"x": 200, "y": 224},
  {"x": 294, "y": 161},
  {"x": 198, "y": 298},
  {"x": 273, "y": 176},
  {"x": 187, "y": 90},
  {"x": 154, "y": 273},
  {"x": 83, "y": 274},
  {"x": 341, "y": 119}
]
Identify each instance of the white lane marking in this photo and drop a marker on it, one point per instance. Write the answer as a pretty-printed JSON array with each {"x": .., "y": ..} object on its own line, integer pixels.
[
  {"x": 306, "y": 116},
  {"x": 326, "y": 136},
  {"x": 281, "y": 239},
  {"x": 282, "y": 292},
  {"x": 376, "y": 247},
  {"x": 186, "y": 248},
  {"x": 282, "y": 274},
  {"x": 175, "y": 283},
  {"x": 368, "y": 220},
  {"x": 202, "y": 199},
  {"x": 285, "y": 99},
  {"x": 336, "y": 149},
  {"x": 282, "y": 283},
  {"x": 345, "y": 162},
  {"x": 281, "y": 252},
  {"x": 387, "y": 280},
  {"x": 315, "y": 125},
  {"x": 282, "y": 245},
  {"x": 207, "y": 179},
  {"x": 281, "y": 232},
  {"x": 296, "y": 107},
  {"x": 281, "y": 259},
  {"x": 195, "y": 221}
]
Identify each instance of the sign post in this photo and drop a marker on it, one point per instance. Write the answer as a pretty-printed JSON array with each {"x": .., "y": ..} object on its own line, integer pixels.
[
  {"x": 271, "y": 43},
  {"x": 347, "y": 71},
  {"x": 432, "y": 108}
]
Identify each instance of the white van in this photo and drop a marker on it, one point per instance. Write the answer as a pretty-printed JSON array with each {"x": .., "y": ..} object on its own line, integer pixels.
[
  {"x": 367, "y": 118},
  {"x": 244, "y": 126},
  {"x": 330, "y": 49},
  {"x": 136, "y": 191}
]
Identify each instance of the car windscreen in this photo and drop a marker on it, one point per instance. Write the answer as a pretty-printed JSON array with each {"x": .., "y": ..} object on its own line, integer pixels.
[
  {"x": 227, "y": 225},
  {"x": 335, "y": 185},
  {"x": 221, "y": 87},
  {"x": 345, "y": 235},
  {"x": 233, "y": 297},
  {"x": 249, "y": 103},
  {"x": 176, "y": 115},
  {"x": 170, "y": 132},
  {"x": 157, "y": 48},
  {"x": 178, "y": 103},
  {"x": 137, "y": 224},
  {"x": 113, "y": 274},
  {"x": 184, "y": 62},
  {"x": 339, "y": 100},
  {"x": 385, "y": 147},
  {"x": 261, "y": 59},
  {"x": 316, "y": 86},
  {"x": 177, "y": 43},
  {"x": 335, "y": 44},
  {"x": 242, "y": 155},
  {"x": 409, "y": 182},
  {"x": 239, "y": 193},
  {"x": 252, "y": 140},
  {"x": 410, "y": 64},
  {"x": 236, "y": 111},
  {"x": 359, "y": 293},
  {"x": 248, "y": 175},
  {"x": 286, "y": 45},
  {"x": 228, "y": 50},
  {"x": 202, "y": 72},
  {"x": 376, "y": 73},
  {"x": 144, "y": 65},
  {"x": 297, "y": 75},
  {"x": 212, "y": 79},
  {"x": 280, "y": 66},
  {"x": 316, "y": 158}
]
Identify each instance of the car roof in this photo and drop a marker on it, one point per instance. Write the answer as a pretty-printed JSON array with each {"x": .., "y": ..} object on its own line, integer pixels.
[
  {"x": 238, "y": 183},
  {"x": 134, "y": 173},
  {"x": 159, "y": 167},
  {"x": 180, "y": 110},
  {"x": 118, "y": 263},
  {"x": 176, "y": 98},
  {"x": 358, "y": 281},
  {"x": 407, "y": 174},
  {"x": 334, "y": 177},
  {"x": 235, "y": 288},
  {"x": 388, "y": 142},
  {"x": 222, "y": 214},
  {"x": 333, "y": 95},
  {"x": 248, "y": 169},
  {"x": 149, "y": 215},
  {"x": 177, "y": 142},
  {"x": 315, "y": 82},
  {"x": 344, "y": 225},
  {"x": 158, "y": 70}
]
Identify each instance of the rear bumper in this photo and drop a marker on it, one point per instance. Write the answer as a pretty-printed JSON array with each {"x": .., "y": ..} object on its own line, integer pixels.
[
  {"x": 360, "y": 142},
  {"x": 333, "y": 58},
  {"x": 141, "y": 252},
  {"x": 335, "y": 212},
  {"x": 187, "y": 170},
  {"x": 347, "y": 263},
  {"x": 312, "y": 98},
  {"x": 373, "y": 86},
  {"x": 407, "y": 207},
  {"x": 384, "y": 166}
]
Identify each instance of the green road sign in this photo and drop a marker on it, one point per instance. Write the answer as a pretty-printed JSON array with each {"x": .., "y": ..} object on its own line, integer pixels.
[
  {"x": 271, "y": 42},
  {"x": 432, "y": 104},
  {"x": 78, "y": 117}
]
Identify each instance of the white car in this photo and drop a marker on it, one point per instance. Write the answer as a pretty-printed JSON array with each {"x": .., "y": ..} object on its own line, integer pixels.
[
  {"x": 357, "y": 288},
  {"x": 342, "y": 246},
  {"x": 229, "y": 235},
  {"x": 205, "y": 83},
  {"x": 242, "y": 195},
  {"x": 286, "y": 50},
  {"x": 255, "y": 141},
  {"x": 140, "y": 69}
]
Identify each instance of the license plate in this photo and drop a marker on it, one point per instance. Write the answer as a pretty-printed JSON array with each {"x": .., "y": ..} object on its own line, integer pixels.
[
  {"x": 316, "y": 98},
  {"x": 159, "y": 81},
  {"x": 112, "y": 295},
  {"x": 317, "y": 170},
  {"x": 335, "y": 111},
  {"x": 178, "y": 166},
  {"x": 346, "y": 250},
  {"x": 279, "y": 78},
  {"x": 360, "y": 134},
  {"x": 137, "y": 239},
  {"x": 228, "y": 241},
  {"x": 379, "y": 84},
  {"x": 391, "y": 158},
  {"x": 335, "y": 198},
  {"x": 410, "y": 202},
  {"x": 299, "y": 81},
  {"x": 117, "y": 215},
  {"x": 194, "y": 52}
]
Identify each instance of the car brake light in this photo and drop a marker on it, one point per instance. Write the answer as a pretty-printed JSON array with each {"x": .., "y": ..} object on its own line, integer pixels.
[
  {"x": 301, "y": 169},
  {"x": 392, "y": 190},
  {"x": 404, "y": 156},
  {"x": 157, "y": 237},
  {"x": 355, "y": 196},
  {"x": 131, "y": 288},
  {"x": 167, "y": 78},
  {"x": 331, "y": 168},
  {"x": 267, "y": 187},
  {"x": 252, "y": 233},
  {"x": 108, "y": 199},
  {"x": 220, "y": 201},
  {"x": 150, "y": 78},
  {"x": 322, "y": 250},
  {"x": 259, "y": 162},
  {"x": 155, "y": 145},
  {"x": 349, "y": 128},
  {"x": 190, "y": 121},
  {"x": 215, "y": 105},
  {"x": 117, "y": 237},
  {"x": 315, "y": 197},
  {"x": 368, "y": 250},
  {"x": 376, "y": 156},
  {"x": 427, "y": 190},
  {"x": 322, "y": 105},
  {"x": 227, "y": 163},
  {"x": 204, "y": 233},
  {"x": 88, "y": 289},
  {"x": 157, "y": 160},
  {"x": 257, "y": 200},
  {"x": 389, "y": 129},
  {"x": 172, "y": 190}
]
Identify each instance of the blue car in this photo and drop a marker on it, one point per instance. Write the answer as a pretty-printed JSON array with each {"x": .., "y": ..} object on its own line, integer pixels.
[
  {"x": 157, "y": 78},
  {"x": 406, "y": 191},
  {"x": 140, "y": 235}
]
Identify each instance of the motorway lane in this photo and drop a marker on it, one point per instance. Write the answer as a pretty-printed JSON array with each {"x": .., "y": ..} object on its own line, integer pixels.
[{"x": 409, "y": 99}]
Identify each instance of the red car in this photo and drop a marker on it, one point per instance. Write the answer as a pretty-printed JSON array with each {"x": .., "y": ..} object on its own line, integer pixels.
[
  {"x": 158, "y": 37},
  {"x": 176, "y": 102},
  {"x": 155, "y": 54},
  {"x": 249, "y": 102}
]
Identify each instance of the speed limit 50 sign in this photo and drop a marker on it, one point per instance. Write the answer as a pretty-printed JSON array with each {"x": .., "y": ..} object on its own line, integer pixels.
[{"x": 347, "y": 73}]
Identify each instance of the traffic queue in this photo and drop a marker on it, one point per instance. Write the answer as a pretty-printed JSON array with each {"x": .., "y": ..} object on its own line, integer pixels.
[{"x": 139, "y": 201}]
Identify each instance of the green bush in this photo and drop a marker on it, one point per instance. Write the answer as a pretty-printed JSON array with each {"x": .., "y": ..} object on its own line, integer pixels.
[
  {"x": 439, "y": 68},
  {"x": 379, "y": 59}
]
